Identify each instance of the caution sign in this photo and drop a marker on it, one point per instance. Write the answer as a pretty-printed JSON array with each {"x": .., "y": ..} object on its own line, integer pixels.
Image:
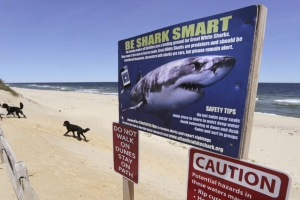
[
  {"x": 213, "y": 176},
  {"x": 126, "y": 151}
]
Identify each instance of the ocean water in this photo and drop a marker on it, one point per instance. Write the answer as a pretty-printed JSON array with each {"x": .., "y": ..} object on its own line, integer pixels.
[
  {"x": 278, "y": 98},
  {"x": 106, "y": 88},
  {"x": 272, "y": 98}
]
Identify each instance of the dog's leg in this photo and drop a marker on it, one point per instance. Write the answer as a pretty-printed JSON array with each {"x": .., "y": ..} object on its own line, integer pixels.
[
  {"x": 83, "y": 136},
  {"x": 81, "y": 133},
  {"x": 66, "y": 132},
  {"x": 78, "y": 134},
  {"x": 17, "y": 113},
  {"x": 22, "y": 114},
  {"x": 73, "y": 134}
]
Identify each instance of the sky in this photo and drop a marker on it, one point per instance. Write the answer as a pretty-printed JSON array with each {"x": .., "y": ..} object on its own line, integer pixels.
[{"x": 77, "y": 40}]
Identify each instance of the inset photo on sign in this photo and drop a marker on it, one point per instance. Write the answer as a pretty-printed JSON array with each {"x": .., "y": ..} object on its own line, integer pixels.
[
  {"x": 125, "y": 77},
  {"x": 177, "y": 84}
]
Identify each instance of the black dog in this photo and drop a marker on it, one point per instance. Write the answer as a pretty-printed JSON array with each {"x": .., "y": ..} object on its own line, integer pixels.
[
  {"x": 12, "y": 110},
  {"x": 73, "y": 128}
]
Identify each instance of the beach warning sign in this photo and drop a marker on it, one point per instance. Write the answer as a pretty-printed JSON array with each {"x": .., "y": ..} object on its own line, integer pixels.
[
  {"x": 217, "y": 177},
  {"x": 195, "y": 82},
  {"x": 126, "y": 151}
]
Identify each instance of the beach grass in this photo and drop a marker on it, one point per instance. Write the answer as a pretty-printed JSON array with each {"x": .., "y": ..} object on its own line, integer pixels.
[{"x": 7, "y": 88}]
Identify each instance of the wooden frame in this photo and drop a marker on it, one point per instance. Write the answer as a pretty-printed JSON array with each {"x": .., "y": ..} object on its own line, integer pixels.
[
  {"x": 17, "y": 171},
  {"x": 253, "y": 81}
]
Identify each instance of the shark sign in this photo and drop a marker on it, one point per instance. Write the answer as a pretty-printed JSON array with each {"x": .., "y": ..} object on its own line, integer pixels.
[{"x": 188, "y": 82}]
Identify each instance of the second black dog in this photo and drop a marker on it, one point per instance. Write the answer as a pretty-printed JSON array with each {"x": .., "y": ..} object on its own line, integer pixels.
[
  {"x": 75, "y": 128},
  {"x": 12, "y": 110}
]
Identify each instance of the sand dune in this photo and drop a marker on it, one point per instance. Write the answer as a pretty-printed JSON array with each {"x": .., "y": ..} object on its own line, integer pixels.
[{"x": 61, "y": 167}]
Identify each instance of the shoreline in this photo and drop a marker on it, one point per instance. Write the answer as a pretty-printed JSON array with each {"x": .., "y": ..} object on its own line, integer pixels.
[
  {"x": 85, "y": 169},
  {"x": 116, "y": 94},
  {"x": 104, "y": 93}
]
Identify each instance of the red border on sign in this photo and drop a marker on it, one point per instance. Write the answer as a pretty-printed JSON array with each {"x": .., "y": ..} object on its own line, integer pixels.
[
  {"x": 218, "y": 177},
  {"x": 126, "y": 151}
]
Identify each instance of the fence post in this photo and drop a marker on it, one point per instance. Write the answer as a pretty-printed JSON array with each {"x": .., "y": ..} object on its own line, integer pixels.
[
  {"x": 1, "y": 145},
  {"x": 10, "y": 171},
  {"x": 1, "y": 132},
  {"x": 17, "y": 171},
  {"x": 22, "y": 178},
  {"x": 21, "y": 170},
  {"x": 28, "y": 190}
]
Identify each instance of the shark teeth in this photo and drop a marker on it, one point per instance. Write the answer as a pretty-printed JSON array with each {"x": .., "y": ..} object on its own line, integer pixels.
[{"x": 193, "y": 87}]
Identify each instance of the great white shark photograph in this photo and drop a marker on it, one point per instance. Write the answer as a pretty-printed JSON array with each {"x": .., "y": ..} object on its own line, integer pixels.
[{"x": 178, "y": 84}]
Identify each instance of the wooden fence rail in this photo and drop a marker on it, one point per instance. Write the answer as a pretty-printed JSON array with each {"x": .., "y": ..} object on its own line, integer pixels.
[{"x": 17, "y": 171}]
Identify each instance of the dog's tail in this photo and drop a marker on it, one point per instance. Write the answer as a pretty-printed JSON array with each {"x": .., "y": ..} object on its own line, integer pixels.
[
  {"x": 86, "y": 130},
  {"x": 21, "y": 105}
]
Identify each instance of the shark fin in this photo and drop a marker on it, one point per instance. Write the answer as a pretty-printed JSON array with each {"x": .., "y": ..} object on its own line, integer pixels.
[{"x": 140, "y": 104}]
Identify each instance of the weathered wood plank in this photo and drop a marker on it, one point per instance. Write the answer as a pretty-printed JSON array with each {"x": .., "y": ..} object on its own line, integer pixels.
[
  {"x": 1, "y": 132},
  {"x": 253, "y": 81},
  {"x": 28, "y": 190},
  {"x": 9, "y": 152},
  {"x": 11, "y": 174},
  {"x": 20, "y": 180},
  {"x": 17, "y": 172},
  {"x": 21, "y": 170},
  {"x": 1, "y": 148}
]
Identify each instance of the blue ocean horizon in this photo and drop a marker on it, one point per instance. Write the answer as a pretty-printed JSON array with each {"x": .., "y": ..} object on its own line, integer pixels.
[
  {"x": 272, "y": 98},
  {"x": 105, "y": 88}
]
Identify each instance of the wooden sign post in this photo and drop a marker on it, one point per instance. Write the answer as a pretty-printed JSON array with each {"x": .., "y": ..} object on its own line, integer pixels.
[
  {"x": 253, "y": 81},
  {"x": 128, "y": 189}
]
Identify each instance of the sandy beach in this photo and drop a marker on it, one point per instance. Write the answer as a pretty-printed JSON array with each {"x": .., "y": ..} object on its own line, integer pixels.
[{"x": 62, "y": 167}]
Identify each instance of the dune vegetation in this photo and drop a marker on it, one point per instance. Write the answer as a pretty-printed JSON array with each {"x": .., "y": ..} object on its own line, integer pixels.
[{"x": 7, "y": 88}]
